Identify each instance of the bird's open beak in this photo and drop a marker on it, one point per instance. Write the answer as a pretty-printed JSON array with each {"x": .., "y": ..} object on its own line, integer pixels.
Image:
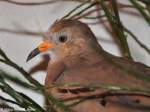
[{"x": 41, "y": 48}]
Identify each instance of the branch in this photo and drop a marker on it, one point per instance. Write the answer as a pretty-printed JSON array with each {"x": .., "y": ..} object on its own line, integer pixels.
[
  {"x": 18, "y": 81},
  {"x": 112, "y": 90},
  {"x": 140, "y": 9},
  {"x": 76, "y": 8},
  {"x": 38, "y": 86},
  {"x": 20, "y": 98},
  {"x": 20, "y": 69},
  {"x": 22, "y": 32},
  {"x": 8, "y": 100},
  {"x": 145, "y": 1},
  {"x": 104, "y": 95},
  {"x": 58, "y": 104},
  {"x": 117, "y": 27},
  {"x": 83, "y": 10},
  {"x": 110, "y": 87},
  {"x": 136, "y": 39},
  {"x": 34, "y": 3}
]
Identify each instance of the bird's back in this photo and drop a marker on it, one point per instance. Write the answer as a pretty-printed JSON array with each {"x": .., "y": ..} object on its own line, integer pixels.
[{"x": 105, "y": 72}]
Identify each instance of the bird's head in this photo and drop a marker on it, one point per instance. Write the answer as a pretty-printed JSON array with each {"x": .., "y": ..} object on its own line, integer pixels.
[{"x": 66, "y": 38}]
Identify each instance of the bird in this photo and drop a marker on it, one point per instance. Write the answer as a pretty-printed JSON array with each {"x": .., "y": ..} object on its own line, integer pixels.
[{"x": 76, "y": 57}]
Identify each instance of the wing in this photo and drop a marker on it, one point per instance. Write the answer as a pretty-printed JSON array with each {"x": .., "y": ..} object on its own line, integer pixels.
[{"x": 104, "y": 72}]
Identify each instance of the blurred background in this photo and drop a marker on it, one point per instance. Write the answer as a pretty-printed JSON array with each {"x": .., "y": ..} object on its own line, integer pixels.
[{"x": 18, "y": 21}]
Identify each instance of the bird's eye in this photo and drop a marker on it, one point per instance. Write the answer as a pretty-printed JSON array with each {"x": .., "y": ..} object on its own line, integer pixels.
[{"x": 62, "y": 38}]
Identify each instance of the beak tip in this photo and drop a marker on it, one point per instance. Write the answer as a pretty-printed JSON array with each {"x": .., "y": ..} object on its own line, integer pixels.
[
  {"x": 27, "y": 60},
  {"x": 33, "y": 54}
]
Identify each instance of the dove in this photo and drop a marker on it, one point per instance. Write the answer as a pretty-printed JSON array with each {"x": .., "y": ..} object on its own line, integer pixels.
[{"x": 77, "y": 57}]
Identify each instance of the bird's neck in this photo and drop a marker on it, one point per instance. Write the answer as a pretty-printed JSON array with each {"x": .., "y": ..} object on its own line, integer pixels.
[
  {"x": 91, "y": 59},
  {"x": 87, "y": 58}
]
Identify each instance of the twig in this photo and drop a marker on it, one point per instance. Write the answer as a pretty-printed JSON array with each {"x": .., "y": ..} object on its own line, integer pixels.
[
  {"x": 83, "y": 10},
  {"x": 145, "y": 1},
  {"x": 34, "y": 3},
  {"x": 17, "y": 81},
  {"x": 140, "y": 9},
  {"x": 122, "y": 36},
  {"x": 97, "y": 17},
  {"x": 60, "y": 105},
  {"x": 86, "y": 14},
  {"x": 8, "y": 100},
  {"x": 20, "y": 98},
  {"x": 73, "y": 10},
  {"x": 22, "y": 32},
  {"x": 30, "y": 79},
  {"x": 148, "y": 8},
  {"x": 104, "y": 95},
  {"x": 136, "y": 39},
  {"x": 20, "y": 69},
  {"x": 112, "y": 91},
  {"x": 109, "y": 87},
  {"x": 116, "y": 26}
]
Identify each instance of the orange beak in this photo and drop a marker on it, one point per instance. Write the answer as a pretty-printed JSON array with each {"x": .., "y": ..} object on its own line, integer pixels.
[{"x": 41, "y": 48}]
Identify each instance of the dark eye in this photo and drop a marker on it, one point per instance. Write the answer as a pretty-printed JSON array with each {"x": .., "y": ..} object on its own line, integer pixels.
[{"x": 63, "y": 38}]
